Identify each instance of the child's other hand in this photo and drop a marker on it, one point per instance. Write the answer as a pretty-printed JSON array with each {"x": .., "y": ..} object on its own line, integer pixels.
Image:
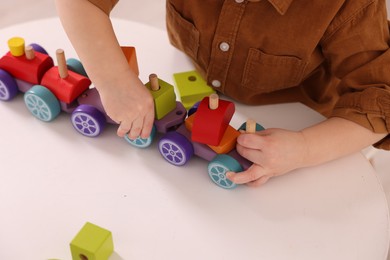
[
  {"x": 131, "y": 106},
  {"x": 273, "y": 152}
]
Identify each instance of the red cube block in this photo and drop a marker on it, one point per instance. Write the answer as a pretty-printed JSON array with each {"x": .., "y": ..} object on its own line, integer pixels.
[
  {"x": 67, "y": 89},
  {"x": 210, "y": 124},
  {"x": 24, "y": 69}
]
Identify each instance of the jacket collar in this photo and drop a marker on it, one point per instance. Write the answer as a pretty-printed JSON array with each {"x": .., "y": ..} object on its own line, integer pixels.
[{"x": 281, "y": 5}]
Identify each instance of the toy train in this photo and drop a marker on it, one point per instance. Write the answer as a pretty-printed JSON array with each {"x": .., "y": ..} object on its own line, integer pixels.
[
  {"x": 50, "y": 89},
  {"x": 203, "y": 130}
]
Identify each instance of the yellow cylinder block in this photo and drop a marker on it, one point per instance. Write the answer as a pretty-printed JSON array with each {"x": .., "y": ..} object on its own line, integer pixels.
[{"x": 16, "y": 46}]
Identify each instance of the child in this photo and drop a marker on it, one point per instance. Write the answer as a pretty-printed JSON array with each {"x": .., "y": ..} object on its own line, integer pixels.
[{"x": 332, "y": 56}]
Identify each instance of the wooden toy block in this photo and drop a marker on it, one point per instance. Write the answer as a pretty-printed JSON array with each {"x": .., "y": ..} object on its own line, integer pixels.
[
  {"x": 163, "y": 95},
  {"x": 65, "y": 89},
  {"x": 191, "y": 87},
  {"x": 211, "y": 120},
  {"x": 189, "y": 122},
  {"x": 172, "y": 119},
  {"x": 92, "y": 243},
  {"x": 29, "y": 67},
  {"x": 228, "y": 141},
  {"x": 65, "y": 84},
  {"x": 16, "y": 46},
  {"x": 131, "y": 58},
  {"x": 201, "y": 150}
]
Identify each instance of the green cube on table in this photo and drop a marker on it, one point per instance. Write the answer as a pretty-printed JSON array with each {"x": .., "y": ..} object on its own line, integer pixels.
[{"x": 92, "y": 243}]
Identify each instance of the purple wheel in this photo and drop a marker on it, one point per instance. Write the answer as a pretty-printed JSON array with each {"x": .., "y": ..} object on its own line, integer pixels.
[
  {"x": 88, "y": 120},
  {"x": 38, "y": 48},
  {"x": 175, "y": 148},
  {"x": 8, "y": 86}
]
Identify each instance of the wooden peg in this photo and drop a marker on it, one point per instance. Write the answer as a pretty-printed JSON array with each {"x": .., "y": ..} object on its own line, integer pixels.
[
  {"x": 30, "y": 54},
  {"x": 251, "y": 126},
  {"x": 153, "y": 79},
  {"x": 213, "y": 101},
  {"x": 62, "y": 67}
]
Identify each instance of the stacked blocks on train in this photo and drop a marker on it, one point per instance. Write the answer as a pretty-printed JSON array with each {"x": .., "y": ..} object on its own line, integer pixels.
[
  {"x": 92, "y": 243},
  {"x": 16, "y": 63},
  {"x": 228, "y": 141},
  {"x": 210, "y": 125},
  {"x": 164, "y": 98},
  {"x": 191, "y": 87}
]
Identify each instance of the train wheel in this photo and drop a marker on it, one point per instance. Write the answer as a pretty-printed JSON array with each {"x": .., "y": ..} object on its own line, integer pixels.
[
  {"x": 175, "y": 148},
  {"x": 218, "y": 167},
  {"x": 258, "y": 127},
  {"x": 76, "y": 66},
  {"x": 42, "y": 103},
  {"x": 142, "y": 142},
  {"x": 88, "y": 120},
  {"x": 8, "y": 86},
  {"x": 193, "y": 109},
  {"x": 38, "y": 48}
]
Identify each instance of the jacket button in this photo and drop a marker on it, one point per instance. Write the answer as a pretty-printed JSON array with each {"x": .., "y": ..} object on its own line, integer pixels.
[
  {"x": 224, "y": 46},
  {"x": 216, "y": 83}
]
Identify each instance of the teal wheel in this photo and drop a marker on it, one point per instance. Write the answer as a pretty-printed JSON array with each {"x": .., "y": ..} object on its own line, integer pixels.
[
  {"x": 218, "y": 167},
  {"x": 42, "y": 103},
  {"x": 258, "y": 127},
  {"x": 142, "y": 142},
  {"x": 76, "y": 66}
]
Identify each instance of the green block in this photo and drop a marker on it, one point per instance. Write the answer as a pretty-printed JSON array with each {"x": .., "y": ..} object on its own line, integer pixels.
[
  {"x": 92, "y": 243},
  {"x": 164, "y": 99},
  {"x": 191, "y": 87}
]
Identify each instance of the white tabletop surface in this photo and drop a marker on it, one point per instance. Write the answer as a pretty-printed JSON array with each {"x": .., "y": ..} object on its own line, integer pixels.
[{"x": 53, "y": 180}]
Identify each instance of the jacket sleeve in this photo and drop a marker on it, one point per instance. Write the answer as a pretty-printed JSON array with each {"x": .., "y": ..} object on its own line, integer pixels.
[
  {"x": 105, "y": 5},
  {"x": 356, "y": 46}
]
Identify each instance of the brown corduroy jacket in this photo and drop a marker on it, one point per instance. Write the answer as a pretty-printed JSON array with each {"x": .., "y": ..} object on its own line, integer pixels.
[{"x": 332, "y": 56}]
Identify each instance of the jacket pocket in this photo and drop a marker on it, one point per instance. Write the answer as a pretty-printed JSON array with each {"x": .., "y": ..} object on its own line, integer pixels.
[
  {"x": 181, "y": 32},
  {"x": 265, "y": 72}
]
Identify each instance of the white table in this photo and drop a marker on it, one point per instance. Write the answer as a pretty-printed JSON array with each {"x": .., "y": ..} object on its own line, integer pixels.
[{"x": 53, "y": 180}]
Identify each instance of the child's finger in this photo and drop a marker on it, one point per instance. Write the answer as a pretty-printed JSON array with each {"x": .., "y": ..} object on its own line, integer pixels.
[
  {"x": 136, "y": 129},
  {"x": 259, "y": 181},
  {"x": 148, "y": 125},
  {"x": 250, "y": 175},
  {"x": 253, "y": 155},
  {"x": 123, "y": 128},
  {"x": 252, "y": 141}
]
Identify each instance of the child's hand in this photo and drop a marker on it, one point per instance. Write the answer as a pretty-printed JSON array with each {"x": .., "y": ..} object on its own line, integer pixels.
[
  {"x": 273, "y": 152},
  {"x": 276, "y": 151},
  {"x": 131, "y": 106},
  {"x": 125, "y": 99}
]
